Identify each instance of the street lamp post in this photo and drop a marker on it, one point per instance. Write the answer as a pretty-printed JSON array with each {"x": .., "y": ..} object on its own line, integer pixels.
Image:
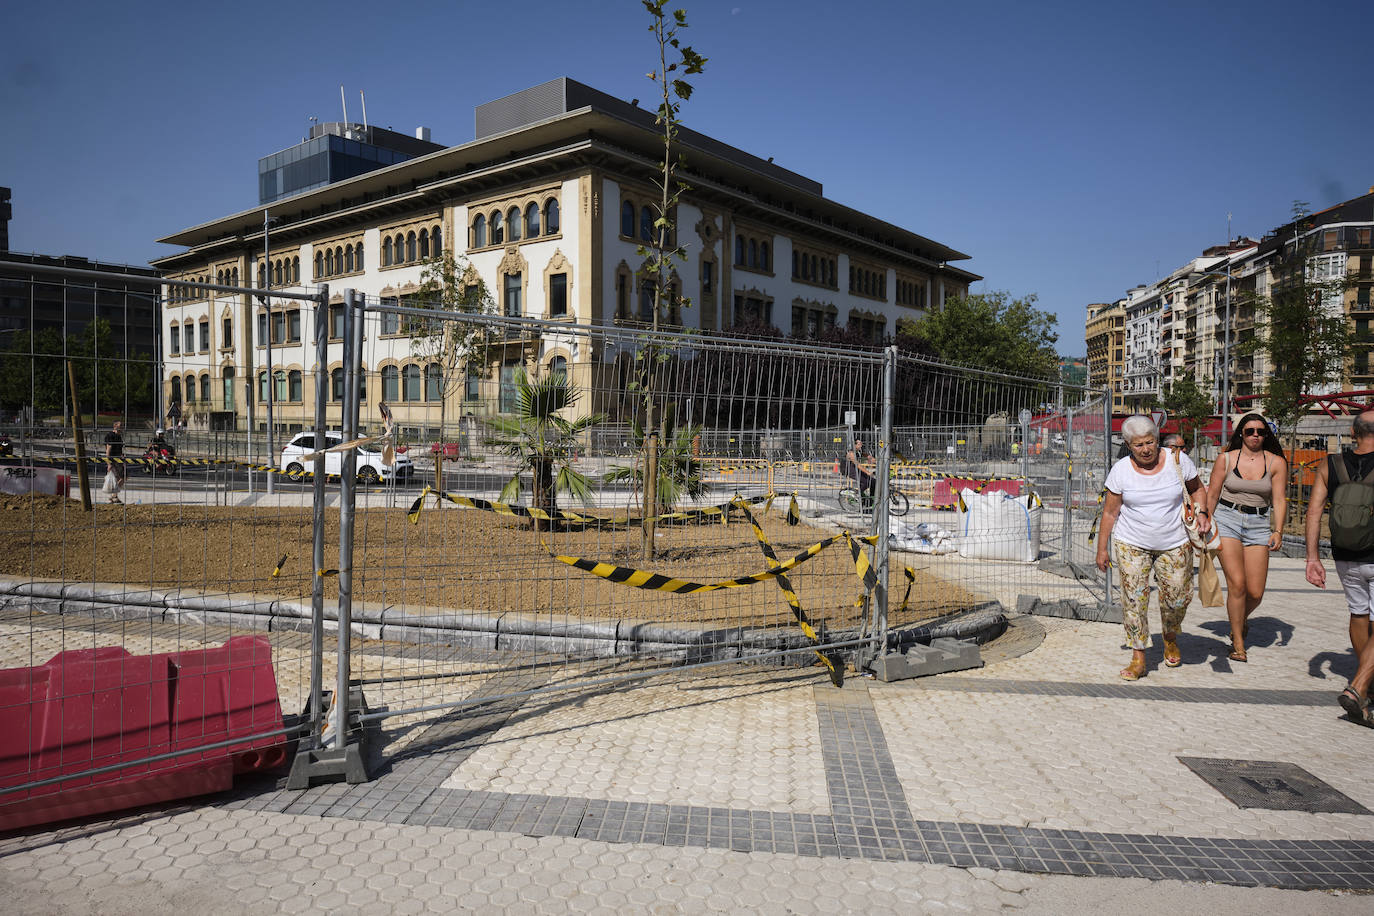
[
  {"x": 1225, "y": 355},
  {"x": 267, "y": 307}
]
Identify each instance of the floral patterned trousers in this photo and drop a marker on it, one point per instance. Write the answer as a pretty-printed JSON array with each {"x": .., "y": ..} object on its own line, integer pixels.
[{"x": 1173, "y": 571}]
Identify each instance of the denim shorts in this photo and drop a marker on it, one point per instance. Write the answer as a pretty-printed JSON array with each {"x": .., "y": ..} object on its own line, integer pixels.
[{"x": 1250, "y": 530}]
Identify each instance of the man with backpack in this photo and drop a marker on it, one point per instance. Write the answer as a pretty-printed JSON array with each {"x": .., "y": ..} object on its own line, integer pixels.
[{"x": 1349, "y": 479}]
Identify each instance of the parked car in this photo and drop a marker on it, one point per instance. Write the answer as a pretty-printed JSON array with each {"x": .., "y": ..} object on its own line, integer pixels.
[
  {"x": 370, "y": 466},
  {"x": 448, "y": 449}
]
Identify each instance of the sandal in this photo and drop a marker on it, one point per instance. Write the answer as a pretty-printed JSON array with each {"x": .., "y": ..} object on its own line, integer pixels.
[
  {"x": 1355, "y": 706},
  {"x": 1133, "y": 672},
  {"x": 1172, "y": 657},
  {"x": 1237, "y": 655}
]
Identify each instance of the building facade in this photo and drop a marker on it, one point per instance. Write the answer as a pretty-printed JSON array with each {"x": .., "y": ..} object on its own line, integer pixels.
[
  {"x": 549, "y": 206},
  {"x": 1106, "y": 340}
]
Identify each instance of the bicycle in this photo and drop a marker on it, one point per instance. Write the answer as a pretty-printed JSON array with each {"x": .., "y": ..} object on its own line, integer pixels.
[{"x": 853, "y": 502}]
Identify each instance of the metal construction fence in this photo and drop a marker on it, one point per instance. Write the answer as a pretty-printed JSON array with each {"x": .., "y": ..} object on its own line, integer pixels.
[{"x": 492, "y": 507}]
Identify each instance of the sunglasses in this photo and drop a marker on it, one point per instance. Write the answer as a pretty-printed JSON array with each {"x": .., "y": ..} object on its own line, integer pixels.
[{"x": 1253, "y": 431}]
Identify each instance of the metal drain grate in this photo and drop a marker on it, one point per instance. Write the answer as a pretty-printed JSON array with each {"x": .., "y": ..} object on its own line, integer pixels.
[{"x": 1271, "y": 785}]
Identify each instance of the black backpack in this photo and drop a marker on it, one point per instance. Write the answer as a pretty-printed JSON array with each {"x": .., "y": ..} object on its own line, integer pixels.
[{"x": 1352, "y": 510}]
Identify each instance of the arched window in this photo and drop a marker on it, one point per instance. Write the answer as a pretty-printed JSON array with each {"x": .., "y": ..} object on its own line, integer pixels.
[
  {"x": 558, "y": 366},
  {"x": 765, "y": 260},
  {"x": 551, "y": 217},
  {"x": 424, "y": 243},
  {"x": 175, "y": 396},
  {"x": 410, "y": 247},
  {"x": 434, "y": 382},
  {"x": 627, "y": 219},
  {"x": 295, "y": 271},
  {"x": 479, "y": 231},
  {"x": 190, "y": 389},
  {"x": 227, "y": 387},
  {"x": 219, "y": 278},
  {"x": 398, "y": 249},
  {"x": 358, "y": 257},
  {"x": 532, "y": 220},
  {"x": 795, "y": 264},
  {"x": 328, "y": 264},
  {"x": 205, "y": 388},
  {"x": 276, "y": 273},
  {"x": 646, "y": 224},
  {"x": 391, "y": 388},
  {"x": 739, "y": 250},
  {"x": 815, "y": 268},
  {"x": 436, "y": 241},
  {"x": 279, "y": 385},
  {"x": 295, "y": 391},
  {"x": 262, "y": 275},
  {"x": 336, "y": 384},
  {"x": 338, "y": 259},
  {"x": 262, "y": 387},
  {"x": 348, "y": 259},
  {"x": 753, "y": 253},
  {"x": 410, "y": 390},
  {"x": 174, "y": 340},
  {"x": 319, "y": 264},
  {"x": 513, "y": 221},
  {"x": 498, "y": 234}
]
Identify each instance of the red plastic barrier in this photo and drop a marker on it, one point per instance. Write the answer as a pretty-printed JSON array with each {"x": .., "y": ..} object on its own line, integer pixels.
[
  {"x": 90, "y": 708},
  {"x": 945, "y": 493}
]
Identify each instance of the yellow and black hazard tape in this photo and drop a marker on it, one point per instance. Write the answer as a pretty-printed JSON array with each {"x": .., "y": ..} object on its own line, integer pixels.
[
  {"x": 559, "y": 515},
  {"x": 833, "y": 663},
  {"x": 276, "y": 570},
  {"x": 190, "y": 463},
  {"x": 657, "y": 582}
]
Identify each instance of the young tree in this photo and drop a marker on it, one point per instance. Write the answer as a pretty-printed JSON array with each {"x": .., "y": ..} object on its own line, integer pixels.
[
  {"x": 1189, "y": 403},
  {"x": 448, "y": 285},
  {"x": 673, "y": 65},
  {"x": 1306, "y": 334}
]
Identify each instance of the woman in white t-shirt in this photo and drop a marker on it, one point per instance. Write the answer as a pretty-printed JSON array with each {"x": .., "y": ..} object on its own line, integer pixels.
[{"x": 1142, "y": 516}]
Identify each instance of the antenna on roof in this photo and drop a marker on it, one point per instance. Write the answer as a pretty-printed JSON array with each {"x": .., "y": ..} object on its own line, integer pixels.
[
  {"x": 345, "y": 103},
  {"x": 364, "y": 99}
]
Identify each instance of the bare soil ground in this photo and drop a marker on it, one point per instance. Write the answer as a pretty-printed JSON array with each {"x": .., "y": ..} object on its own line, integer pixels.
[{"x": 453, "y": 561}]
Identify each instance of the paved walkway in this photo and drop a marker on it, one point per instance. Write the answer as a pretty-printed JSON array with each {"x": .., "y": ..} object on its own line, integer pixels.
[{"x": 1041, "y": 783}]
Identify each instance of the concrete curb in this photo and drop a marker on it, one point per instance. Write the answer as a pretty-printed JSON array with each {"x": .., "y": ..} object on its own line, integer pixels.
[{"x": 445, "y": 626}]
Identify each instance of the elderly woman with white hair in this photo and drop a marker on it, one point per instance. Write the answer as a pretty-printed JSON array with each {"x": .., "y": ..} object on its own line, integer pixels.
[{"x": 1142, "y": 516}]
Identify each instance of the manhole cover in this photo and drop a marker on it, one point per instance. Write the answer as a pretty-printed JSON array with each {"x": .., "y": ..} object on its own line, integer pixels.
[{"x": 1271, "y": 785}]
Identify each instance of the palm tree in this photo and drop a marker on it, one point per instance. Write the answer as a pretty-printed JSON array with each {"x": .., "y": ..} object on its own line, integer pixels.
[
  {"x": 543, "y": 442},
  {"x": 679, "y": 474}
]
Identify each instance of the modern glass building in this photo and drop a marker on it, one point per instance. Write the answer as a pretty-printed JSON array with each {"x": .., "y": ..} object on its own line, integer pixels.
[{"x": 336, "y": 151}]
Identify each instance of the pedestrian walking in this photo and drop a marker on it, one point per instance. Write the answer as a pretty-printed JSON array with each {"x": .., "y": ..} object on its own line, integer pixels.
[
  {"x": 1142, "y": 516},
  {"x": 854, "y": 459},
  {"x": 1248, "y": 496},
  {"x": 1348, "y": 479},
  {"x": 114, "y": 462}
]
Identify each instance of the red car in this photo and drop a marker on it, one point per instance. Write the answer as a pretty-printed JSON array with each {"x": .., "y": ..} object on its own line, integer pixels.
[{"x": 449, "y": 450}]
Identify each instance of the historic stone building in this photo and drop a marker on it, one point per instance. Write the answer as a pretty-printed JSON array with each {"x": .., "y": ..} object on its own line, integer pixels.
[{"x": 549, "y": 205}]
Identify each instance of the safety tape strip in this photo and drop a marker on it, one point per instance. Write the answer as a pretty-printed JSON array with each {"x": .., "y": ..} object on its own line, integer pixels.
[
  {"x": 834, "y": 665},
  {"x": 188, "y": 462},
  {"x": 280, "y": 563},
  {"x": 793, "y": 512},
  {"x": 559, "y": 515},
  {"x": 651, "y": 581}
]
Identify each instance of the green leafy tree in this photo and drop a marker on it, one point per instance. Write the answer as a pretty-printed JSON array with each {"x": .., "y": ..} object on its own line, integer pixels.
[
  {"x": 1307, "y": 336},
  {"x": 1186, "y": 401},
  {"x": 456, "y": 346},
  {"x": 679, "y": 473},
  {"x": 675, "y": 62},
  {"x": 542, "y": 441},
  {"x": 988, "y": 330},
  {"x": 33, "y": 372}
]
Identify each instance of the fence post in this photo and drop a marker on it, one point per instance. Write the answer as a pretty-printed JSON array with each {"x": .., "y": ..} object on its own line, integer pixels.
[
  {"x": 1106, "y": 468},
  {"x": 1065, "y": 538},
  {"x": 317, "y": 520},
  {"x": 880, "y": 507}
]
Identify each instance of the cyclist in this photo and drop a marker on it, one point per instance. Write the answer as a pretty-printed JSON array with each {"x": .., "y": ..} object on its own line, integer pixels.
[{"x": 854, "y": 468}]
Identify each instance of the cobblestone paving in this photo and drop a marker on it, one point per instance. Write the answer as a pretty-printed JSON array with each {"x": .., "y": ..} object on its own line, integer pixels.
[{"x": 1039, "y": 783}]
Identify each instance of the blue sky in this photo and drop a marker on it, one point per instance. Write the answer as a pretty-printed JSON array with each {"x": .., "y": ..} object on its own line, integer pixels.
[{"x": 1073, "y": 149}]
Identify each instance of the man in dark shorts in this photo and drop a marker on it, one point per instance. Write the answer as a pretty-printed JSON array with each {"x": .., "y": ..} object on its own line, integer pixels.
[
  {"x": 1356, "y": 570},
  {"x": 114, "y": 464},
  {"x": 854, "y": 468}
]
